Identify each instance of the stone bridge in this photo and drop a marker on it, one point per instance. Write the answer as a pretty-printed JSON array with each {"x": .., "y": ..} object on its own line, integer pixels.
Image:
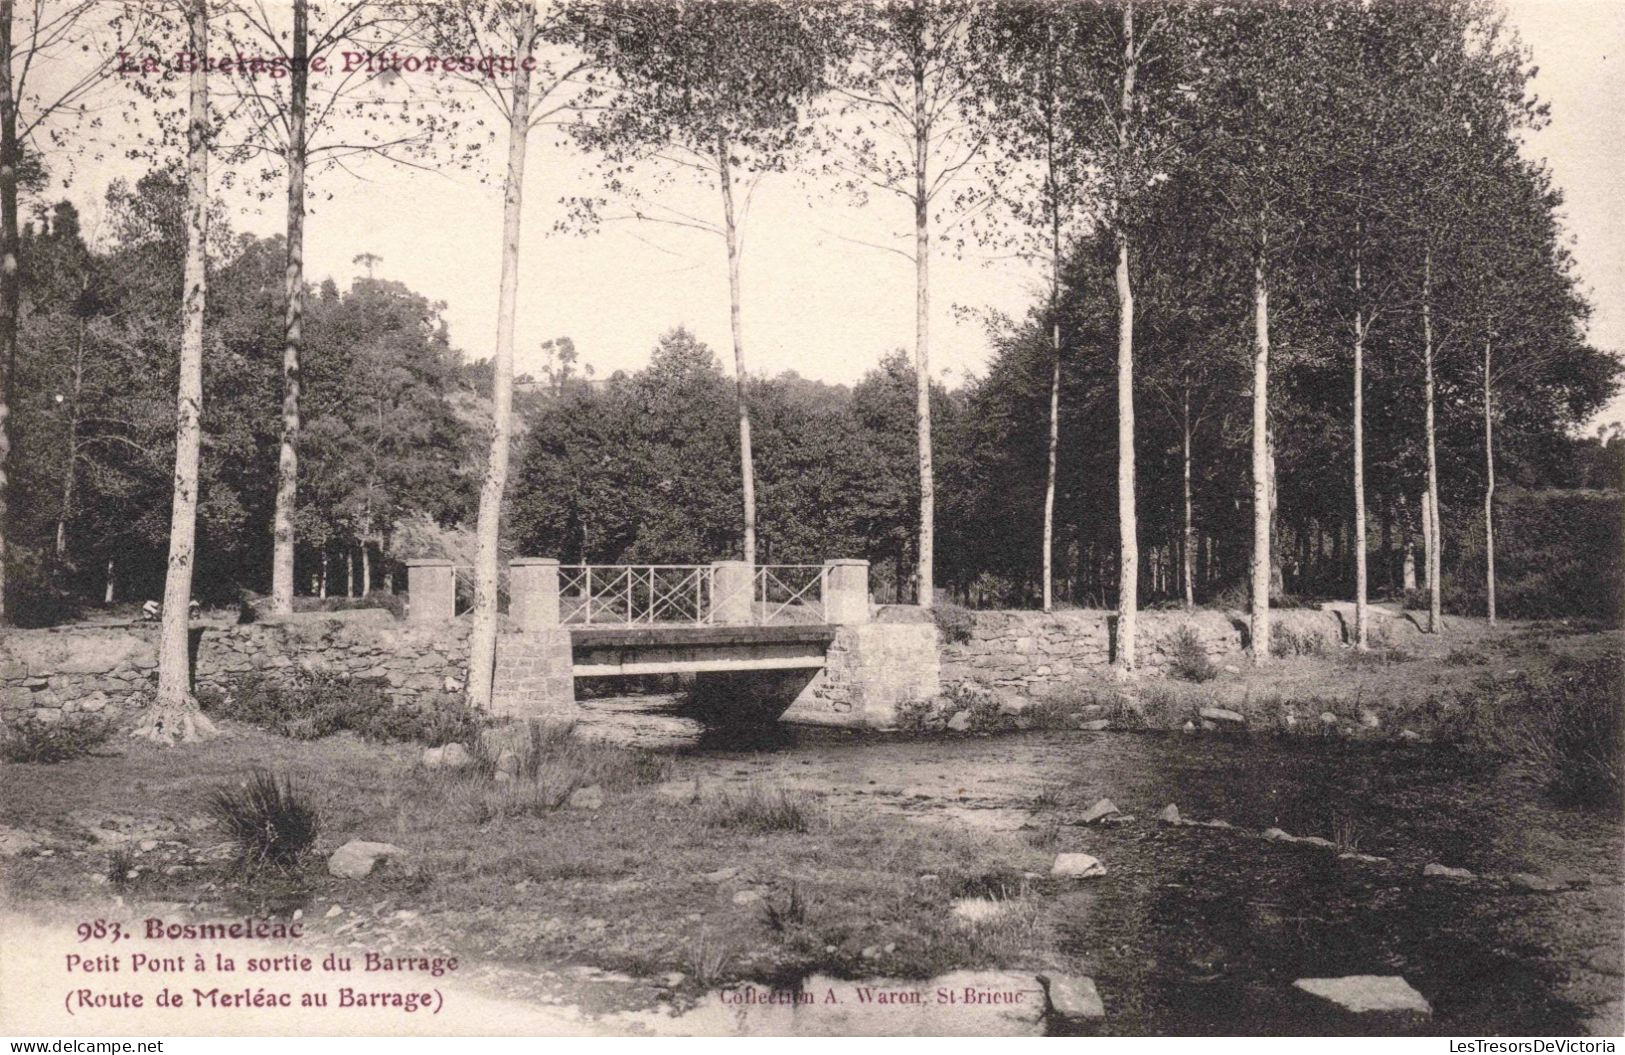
[{"x": 767, "y": 641}]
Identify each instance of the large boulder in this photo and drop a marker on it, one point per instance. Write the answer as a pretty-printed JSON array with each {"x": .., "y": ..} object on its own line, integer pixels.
[
  {"x": 1074, "y": 997},
  {"x": 357, "y": 858},
  {"x": 1077, "y": 866}
]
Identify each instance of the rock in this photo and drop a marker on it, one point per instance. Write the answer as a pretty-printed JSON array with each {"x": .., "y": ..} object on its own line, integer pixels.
[
  {"x": 1095, "y": 725},
  {"x": 1076, "y": 866},
  {"x": 148, "y": 845},
  {"x": 673, "y": 979},
  {"x": 432, "y": 757},
  {"x": 960, "y": 721},
  {"x": 1169, "y": 814},
  {"x": 721, "y": 875},
  {"x": 1189, "y": 726},
  {"x": 14, "y": 841},
  {"x": 1220, "y": 714},
  {"x": 1073, "y": 997},
  {"x": 1102, "y": 809},
  {"x": 587, "y": 798},
  {"x": 1328, "y": 718},
  {"x": 1370, "y": 859},
  {"x": 678, "y": 792},
  {"x": 332, "y": 912},
  {"x": 1530, "y": 883},
  {"x": 357, "y": 859},
  {"x": 977, "y": 909},
  {"x": 870, "y": 952},
  {"x": 1216, "y": 824},
  {"x": 747, "y": 897},
  {"x": 1315, "y": 840},
  {"x": 1409, "y": 734},
  {"x": 1440, "y": 871},
  {"x": 1370, "y": 720},
  {"x": 1276, "y": 835},
  {"x": 455, "y": 756},
  {"x": 1364, "y": 993},
  {"x": 1231, "y": 668}
]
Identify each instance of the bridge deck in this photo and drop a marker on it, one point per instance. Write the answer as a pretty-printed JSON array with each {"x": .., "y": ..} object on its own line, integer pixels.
[{"x": 677, "y": 648}]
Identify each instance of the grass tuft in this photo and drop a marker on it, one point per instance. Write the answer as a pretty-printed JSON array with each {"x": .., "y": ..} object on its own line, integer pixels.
[
  {"x": 273, "y": 824},
  {"x": 32, "y": 740},
  {"x": 759, "y": 809}
]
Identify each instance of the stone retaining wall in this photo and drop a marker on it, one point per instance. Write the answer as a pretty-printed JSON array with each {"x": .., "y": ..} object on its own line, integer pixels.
[
  {"x": 60, "y": 672},
  {"x": 1034, "y": 654}
]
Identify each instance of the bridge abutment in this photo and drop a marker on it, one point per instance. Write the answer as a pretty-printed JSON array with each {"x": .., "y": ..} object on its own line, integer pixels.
[{"x": 431, "y": 591}]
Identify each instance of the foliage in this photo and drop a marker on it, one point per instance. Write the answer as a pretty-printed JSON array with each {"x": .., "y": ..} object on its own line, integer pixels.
[
  {"x": 32, "y": 740},
  {"x": 954, "y": 623},
  {"x": 1188, "y": 659},
  {"x": 1558, "y": 555},
  {"x": 759, "y": 808},
  {"x": 272, "y": 823},
  {"x": 309, "y": 705}
]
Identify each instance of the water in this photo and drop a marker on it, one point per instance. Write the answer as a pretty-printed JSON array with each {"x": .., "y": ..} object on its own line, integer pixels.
[{"x": 1202, "y": 930}]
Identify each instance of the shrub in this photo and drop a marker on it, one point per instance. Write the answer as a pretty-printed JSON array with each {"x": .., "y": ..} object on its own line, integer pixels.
[
  {"x": 983, "y": 709},
  {"x": 916, "y": 715},
  {"x": 1187, "y": 657},
  {"x": 1062, "y": 709},
  {"x": 1557, "y": 555},
  {"x": 793, "y": 914},
  {"x": 272, "y": 824},
  {"x": 953, "y": 622},
  {"x": 758, "y": 808},
  {"x": 31, "y": 740},
  {"x": 309, "y": 705},
  {"x": 1285, "y": 641},
  {"x": 1568, "y": 725},
  {"x": 121, "y": 867}
]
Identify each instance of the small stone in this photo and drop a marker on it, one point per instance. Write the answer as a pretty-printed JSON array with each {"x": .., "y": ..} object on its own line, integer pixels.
[
  {"x": 1435, "y": 869},
  {"x": 455, "y": 756},
  {"x": 1216, "y": 824},
  {"x": 721, "y": 875},
  {"x": 357, "y": 858},
  {"x": 1169, "y": 814},
  {"x": 1073, "y": 997},
  {"x": 1363, "y": 993},
  {"x": 1189, "y": 726},
  {"x": 1231, "y": 668},
  {"x": 673, "y": 979},
  {"x": 1409, "y": 734},
  {"x": 890, "y": 946},
  {"x": 960, "y": 721},
  {"x": 1095, "y": 725},
  {"x": 1369, "y": 859},
  {"x": 1315, "y": 840},
  {"x": 432, "y": 757},
  {"x": 678, "y": 792},
  {"x": 930, "y": 877},
  {"x": 588, "y": 798},
  {"x": 1220, "y": 714},
  {"x": 1077, "y": 866},
  {"x": 1100, "y": 810},
  {"x": 747, "y": 897},
  {"x": 977, "y": 909},
  {"x": 1328, "y": 718},
  {"x": 1276, "y": 835},
  {"x": 298, "y": 914},
  {"x": 148, "y": 845},
  {"x": 1370, "y": 720},
  {"x": 1530, "y": 883},
  {"x": 332, "y": 912}
]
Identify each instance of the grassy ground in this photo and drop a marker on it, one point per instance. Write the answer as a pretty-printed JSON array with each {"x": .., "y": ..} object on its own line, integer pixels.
[
  {"x": 499, "y": 871},
  {"x": 761, "y": 883}
]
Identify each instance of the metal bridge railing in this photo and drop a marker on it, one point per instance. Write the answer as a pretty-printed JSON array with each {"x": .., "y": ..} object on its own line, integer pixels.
[{"x": 692, "y": 594}]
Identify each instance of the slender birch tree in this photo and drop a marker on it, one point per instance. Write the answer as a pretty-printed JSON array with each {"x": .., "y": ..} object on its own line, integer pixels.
[
  {"x": 174, "y": 715},
  {"x": 716, "y": 92}
]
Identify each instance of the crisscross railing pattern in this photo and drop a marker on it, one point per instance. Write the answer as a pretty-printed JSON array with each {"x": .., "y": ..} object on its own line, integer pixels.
[{"x": 692, "y": 594}]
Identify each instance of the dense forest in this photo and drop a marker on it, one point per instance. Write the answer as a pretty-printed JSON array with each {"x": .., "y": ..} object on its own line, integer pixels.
[{"x": 1311, "y": 326}]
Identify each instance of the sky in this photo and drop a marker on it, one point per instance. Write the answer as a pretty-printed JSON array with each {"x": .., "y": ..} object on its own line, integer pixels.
[{"x": 815, "y": 300}]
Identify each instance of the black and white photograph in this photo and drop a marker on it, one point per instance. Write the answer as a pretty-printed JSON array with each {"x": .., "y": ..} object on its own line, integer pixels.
[{"x": 812, "y": 518}]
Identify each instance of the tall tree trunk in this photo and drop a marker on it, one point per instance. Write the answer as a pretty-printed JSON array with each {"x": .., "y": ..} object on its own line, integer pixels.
[
  {"x": 1053, "y": 187},
  {"x": 925, "y": 584},
  {"x": 174, "y": 715},
  {"x": 1489, "y": 493},
  {"x": 107, "y": 594},
  {"x": 1407, "y": 575},
  {"x": 1435, "y": 563},
  {"x": 1128, "y": 527},
  {"x": 1187, "y": 556},
  {"x": 747, "y": 473},
  {"x": 1425, "y": 511},
  {"x": 349, "y": 570},
  {"x": 1361, "y": 616},
  {"x": 1259, "y": 625},
  {"x": 10, "y": 285},
  {"x": 321, "y": 581},
  {"x": 71, "y": 474},
  {"x": 483, "y": 633},
  {"x": 366, "y": 569},
  {"x": 287, "y": 481}
]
